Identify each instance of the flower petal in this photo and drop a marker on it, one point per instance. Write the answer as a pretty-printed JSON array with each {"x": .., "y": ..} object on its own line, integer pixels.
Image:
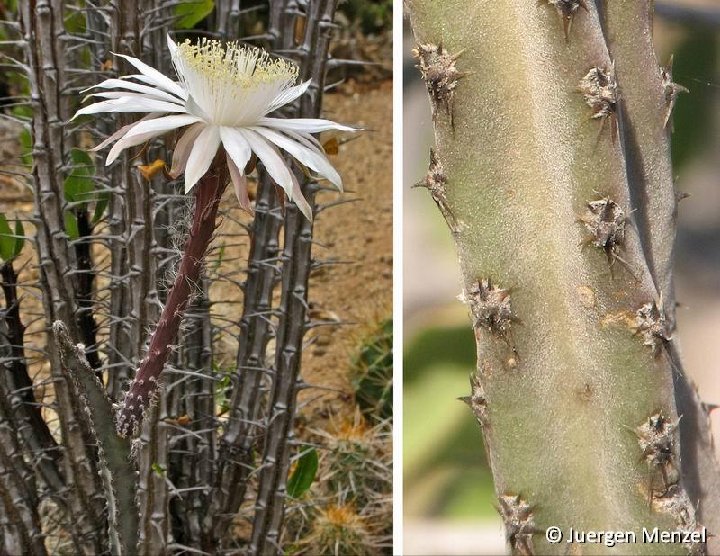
[
  {"x": 300, "y": 201},
  {"x": 305, "y": 139},
  {"x": 194, "y": 108},
  {"x": 303, "y": 125},
  {"x": 161, "y": 125},
  {"x": 278, "y": 169},
  {"x": 120, "y": 132},
  {"x": 271, "y": 158},
  {"x": 236, "y": 146},
  {"x": 310, "y": 158},
  {"x": 183, "y": 148},
  {"x": 203, "y": 152},
  {"x": 142, "y": 131},
  {"x": 172, "y": 47},
  {"x": 130, "y": 104},
  {"x": 153, "y": 83},
  {"x": 239, "y": 180},
  {"x": 288, "y": 95},
  {"x": 146, "y": 130},
  {"x": 114, "y": 95},
  {"x": 155, "y": 76},
  {"x": 135, "y": 87},
  {"x": 123, "y": 144}
]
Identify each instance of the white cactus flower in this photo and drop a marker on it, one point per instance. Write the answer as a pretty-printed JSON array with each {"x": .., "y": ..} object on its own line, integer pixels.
[{"x": 223, "y": 95}]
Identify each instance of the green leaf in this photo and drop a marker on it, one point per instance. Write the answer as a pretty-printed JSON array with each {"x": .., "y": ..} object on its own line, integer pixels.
[
  {"x": 7, "y": 241},
  {"x": 192, "y": 12},
  {"x": 304, "y": 474},
  {"x": 22, "y": 112},
  {"x": 81, "y": 158},
  {"x": 75, "y": 22},
  {"x": 19, "y": 239},
  {"x": 222, "y": 387},
  {"x": 71, "y": 225},
  {"x": 221, "y": 254},
  {"x": 101, "y": 204},
  {"x": 80, "y": 184},
  {"x": 26, "y": 147}
]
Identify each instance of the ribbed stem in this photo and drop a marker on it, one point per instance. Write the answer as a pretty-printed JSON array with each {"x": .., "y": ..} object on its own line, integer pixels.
[
  {"x": 535, "y": 168},
  {"x": 144, "y": 387}
]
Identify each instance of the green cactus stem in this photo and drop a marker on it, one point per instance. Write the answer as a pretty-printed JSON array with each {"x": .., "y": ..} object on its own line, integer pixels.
[{"x": 536, "y": 175}]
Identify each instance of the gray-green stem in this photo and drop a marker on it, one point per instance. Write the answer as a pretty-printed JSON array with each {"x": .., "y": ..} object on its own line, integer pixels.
[{"x": 574, "y": 383}]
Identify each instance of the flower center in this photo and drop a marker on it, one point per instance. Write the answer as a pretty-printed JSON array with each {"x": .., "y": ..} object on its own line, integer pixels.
[{"x": 231, "y": 85}]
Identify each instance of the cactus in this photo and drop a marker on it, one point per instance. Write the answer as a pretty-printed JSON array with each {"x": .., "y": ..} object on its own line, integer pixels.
[
  {"x": 551, "y": 167},
  {"x": 106, "y": 238},
  {"x": 338, "y": 529},
  {"x": 355, "y": 480},
  {"x": 373, "y": 373},
  {"x": 355, "y": 472}
]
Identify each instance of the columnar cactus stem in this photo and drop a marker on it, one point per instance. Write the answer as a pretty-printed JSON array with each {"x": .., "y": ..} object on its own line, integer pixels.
[
  {"x": 47, "y": 58},
  {"x": 86, "y": 322},
  {"x": 35, "y": 431},
  {"x": 267, "y": 527},
  {"x": 191, "y": 406},
  {"x": 297, "y": 262},
  {"x": 647, "y": 101},
  {"x": 129, "y": 245},
  {"x": 20, "y": 531},
  {"x": 537, "y": 169},
  {"x": 145, "y": 385},
  {"x": 244, "y": 427},
  {"x": 115, "y": 468}
]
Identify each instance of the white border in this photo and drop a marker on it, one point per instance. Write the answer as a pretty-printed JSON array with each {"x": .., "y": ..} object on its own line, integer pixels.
[{"x": 397, "y": 277}]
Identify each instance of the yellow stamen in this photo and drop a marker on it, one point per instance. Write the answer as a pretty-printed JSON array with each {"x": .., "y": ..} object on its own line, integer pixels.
[{"x": 235, "y": 64}]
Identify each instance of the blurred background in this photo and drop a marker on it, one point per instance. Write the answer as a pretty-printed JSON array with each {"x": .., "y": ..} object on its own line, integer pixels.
[{"x": 449, "y": 502}]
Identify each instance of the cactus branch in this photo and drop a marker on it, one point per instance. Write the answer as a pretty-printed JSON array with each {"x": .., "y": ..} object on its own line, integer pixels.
[
  {"x": 116, "y": 469},
  {"x": 19, "y": 384},
  {"x": 85, "y": 289},
  {"x": 47, "y": 58},
  {"x": 566, "y": 292},
  {"x": 297, "y": 263},
  {"x": 250, "y": 381},
  {"x": 646, "y": 137}
]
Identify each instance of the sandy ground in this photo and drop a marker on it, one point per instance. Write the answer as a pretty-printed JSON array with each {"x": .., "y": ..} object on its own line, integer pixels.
[{"x": 359, "y": 233}]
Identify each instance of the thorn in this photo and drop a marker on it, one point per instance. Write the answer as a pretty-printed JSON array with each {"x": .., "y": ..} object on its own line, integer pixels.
[
  {"x": 600, "y": 91},
  {"x": 436, "y": 181},
  {"x": 437, "y": 68},
  {"x": 567, "y": 10},
  {"x": 670, "y": 89}
]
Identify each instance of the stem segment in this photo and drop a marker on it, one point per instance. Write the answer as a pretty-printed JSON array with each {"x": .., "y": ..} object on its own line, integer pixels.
[
  {"x": 574, "y": 384},
  {"x": 144, "y": 388}
]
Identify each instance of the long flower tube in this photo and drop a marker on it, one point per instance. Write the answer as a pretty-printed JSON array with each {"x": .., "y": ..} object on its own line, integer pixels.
[{"x": 146, "y": 384}]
